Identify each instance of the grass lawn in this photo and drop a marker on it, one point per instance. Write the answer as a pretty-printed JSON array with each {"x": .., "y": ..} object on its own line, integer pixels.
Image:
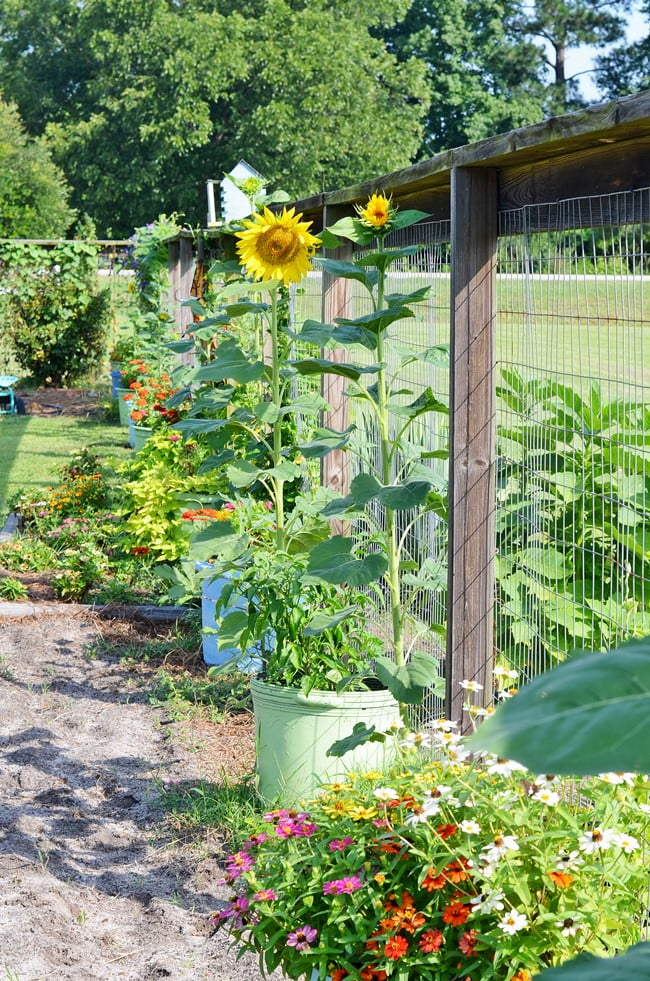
[{"x": 33, "y": 448}]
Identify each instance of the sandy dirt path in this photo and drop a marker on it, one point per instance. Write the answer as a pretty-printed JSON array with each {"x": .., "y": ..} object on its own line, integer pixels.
[{"x": 90, "y": 885}]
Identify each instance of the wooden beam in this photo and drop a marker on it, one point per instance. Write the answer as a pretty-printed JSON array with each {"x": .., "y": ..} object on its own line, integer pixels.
[
  {"x": 336, "y": 302},
  {"x": 472, "y": 411}
]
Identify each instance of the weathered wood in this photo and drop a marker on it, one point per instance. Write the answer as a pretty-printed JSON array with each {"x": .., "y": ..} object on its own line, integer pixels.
[
  {"x": 601, "y": 170},
  {"x": 472, "y": 411},
  {"x": 618, "y": 122},
  {"x": 336, "y": 302}
]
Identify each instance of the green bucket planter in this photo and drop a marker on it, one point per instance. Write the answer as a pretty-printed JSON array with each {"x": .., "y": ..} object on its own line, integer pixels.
[
  {"x": 123, "y": 407},
  {"x": 293, "y": 733},
  {"x": 140, "y": 436}
]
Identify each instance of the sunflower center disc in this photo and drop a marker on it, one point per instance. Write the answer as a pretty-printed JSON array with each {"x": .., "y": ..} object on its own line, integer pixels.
[{"x": 278, "y": 245}]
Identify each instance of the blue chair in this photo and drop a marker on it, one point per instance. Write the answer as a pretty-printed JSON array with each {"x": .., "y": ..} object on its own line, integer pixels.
[{"x": 7, "y": 397}]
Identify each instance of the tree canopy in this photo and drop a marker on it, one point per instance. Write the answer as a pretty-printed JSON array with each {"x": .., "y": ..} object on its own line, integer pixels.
[{"x": 33, "y": 191}]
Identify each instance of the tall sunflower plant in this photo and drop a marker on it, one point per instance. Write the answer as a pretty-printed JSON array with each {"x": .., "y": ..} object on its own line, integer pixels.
[{"x": 385, "y": 499}]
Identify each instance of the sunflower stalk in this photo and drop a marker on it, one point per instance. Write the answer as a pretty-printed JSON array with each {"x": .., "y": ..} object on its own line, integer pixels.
[{"x": 277, "y": 482}]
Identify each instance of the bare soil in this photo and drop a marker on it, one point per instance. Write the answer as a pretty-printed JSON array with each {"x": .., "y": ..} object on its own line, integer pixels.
[
  {"x": 80, "y": 402},
  {"x": 96, "y": 884}
]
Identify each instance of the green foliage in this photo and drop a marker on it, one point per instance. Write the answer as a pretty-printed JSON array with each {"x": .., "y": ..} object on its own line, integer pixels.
[
  {"x": 572, "y": 554},
  {"x": 115, "y": 83},
  {"x": 33, "y": 192},
  {"x": 12, "y": 589},
  {"x": 55, "y": 317},
  {"x": 494, "y": 866}
]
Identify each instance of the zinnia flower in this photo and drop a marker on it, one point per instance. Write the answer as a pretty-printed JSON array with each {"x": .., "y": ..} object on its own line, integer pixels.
[
  {"x": 396, "y": 947},
  {"x": 302, "y": 937},
  {"x": 277, "y": 246},
  {"x": 513, "y": 922},
  {"x": 430, "y": 941}
]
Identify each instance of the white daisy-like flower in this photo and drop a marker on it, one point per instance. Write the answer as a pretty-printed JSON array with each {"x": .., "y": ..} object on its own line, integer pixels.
[
  {"x": 477, "y": 711},
  {"x": 416, "y": 740},
  {"x": 546, "y": 796},
  {"x": 596, "y": 840},
  {"x": 504, "y": 693},
  {"x": 442, "y": 790},
  {"x": 644, "y": 808},
  {"x": 487, "y": 869},
  {"x": 628, "y": 843},
  {"x": 385, "y": 793},
  {"x": 500, "y": 845},
  {"x": 568, "y": 861},
  {"x": 422, "y": 812},
  {"x": 456, "y": 753},
  {"x": 513, "y": 922},
  {"x": 546, "y": 779},
  {"x": 470, "y": 827},
  {"x": 569, "y": 926},
  {"x": 504, "y": 768},
  {"x": 488, "y": 902},
  {"x": 618, "y": 778},
  {"x": 501, "y": 672},
  {"x": 470, "y": 685},
  {"x": 443, "y": 725}
]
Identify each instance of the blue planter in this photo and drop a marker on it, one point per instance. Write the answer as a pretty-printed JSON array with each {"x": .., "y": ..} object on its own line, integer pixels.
[
  {"x": 116, "y": 375},
  {"x": 211, "y": 591}
]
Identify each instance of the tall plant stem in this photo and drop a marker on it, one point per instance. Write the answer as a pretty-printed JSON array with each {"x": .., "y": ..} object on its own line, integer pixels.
[
  {"x": 392, "y": 546},
  {"x": 276, "y": 396}
]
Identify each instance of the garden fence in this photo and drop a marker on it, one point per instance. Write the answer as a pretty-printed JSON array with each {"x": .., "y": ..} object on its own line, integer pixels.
[{"x": 538, "y": 252}]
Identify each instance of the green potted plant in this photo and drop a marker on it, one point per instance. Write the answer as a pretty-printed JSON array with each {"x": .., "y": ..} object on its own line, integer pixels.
[{"x": 276, "y": 250}]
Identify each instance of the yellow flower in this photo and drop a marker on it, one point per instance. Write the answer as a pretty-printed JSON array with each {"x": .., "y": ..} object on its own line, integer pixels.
[
  {"x": 361, "y": 813},
  {"x": 277, "y": 246},
  {"x": 378, "y": 211}
]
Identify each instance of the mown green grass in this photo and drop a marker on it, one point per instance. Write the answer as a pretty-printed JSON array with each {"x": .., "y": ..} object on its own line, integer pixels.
[{"x": 33, "y": 449}]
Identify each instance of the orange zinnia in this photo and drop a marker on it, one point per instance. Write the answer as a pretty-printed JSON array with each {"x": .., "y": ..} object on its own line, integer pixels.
[
  {"x": 396, "y": 947},
  {"x": 457, "y": 871},
  {"x": 456, "y": 913},
  {"x": 433, "y": 880},
  {"x": 561, "y": 879}
]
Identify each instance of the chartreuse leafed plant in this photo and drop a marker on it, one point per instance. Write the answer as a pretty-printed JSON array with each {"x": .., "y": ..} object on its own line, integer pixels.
[
  {"x": 572, "y": 555},
  {"x": 460, "y": 868}
]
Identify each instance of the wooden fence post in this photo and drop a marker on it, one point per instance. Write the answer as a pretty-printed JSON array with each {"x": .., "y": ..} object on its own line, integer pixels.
[
  {"x": 336, "y": 302},
  {"x": 181, "y": 276},
  {"x": 472, "y": 411}
]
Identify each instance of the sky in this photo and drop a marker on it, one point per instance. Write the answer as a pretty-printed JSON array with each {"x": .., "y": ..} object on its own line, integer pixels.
[{"x": 582, "y": 59}]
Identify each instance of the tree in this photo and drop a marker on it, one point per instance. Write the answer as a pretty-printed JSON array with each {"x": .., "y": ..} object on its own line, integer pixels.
[
  {"x": 626, "y": 69},
  {"x": 144, "y": 100},
  {"x": 567, "y": 24},
  {"x": 33, "y": 192},
  {"x": 484, "y": 80}
]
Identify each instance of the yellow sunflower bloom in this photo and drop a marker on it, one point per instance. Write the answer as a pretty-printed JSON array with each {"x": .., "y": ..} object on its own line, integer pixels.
[
  {"x": 377, "y": 212},
  {"x": 277, "y": 246}
]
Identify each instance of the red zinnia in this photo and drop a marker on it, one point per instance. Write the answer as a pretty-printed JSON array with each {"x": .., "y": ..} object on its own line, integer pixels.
[
  {"x": 396, "y": 947},
  {"x": 446, "y": 830},
  {"x": 467, "y": 942},
  {"x": 456, "y": 913},
  {"x": 430, "y": 941},
  {"x": 433, "y": 880}
]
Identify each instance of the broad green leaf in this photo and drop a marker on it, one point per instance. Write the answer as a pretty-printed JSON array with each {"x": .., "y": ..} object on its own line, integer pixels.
[
  {"x": 308, "y": 404},
  {"x": 544, "y": 561},
  {"x": 242, "y": 473},
  {"x": 347, "y": 270},
  {"x": 266, "y": 412},
  {"x": 378, "y": 320},
  {"x": 632, "y": 966},
  {"x": 361, "y": 734},
  {"x": 180, "y": 347},
  {"x": 589, "y": 715},
  {"x": 195, "y": 306},
  {"x": 320, "y": 366},
  {"x": 404, "y": 219},
  {"x": 327, "y": 621},
  {"x": 231, "y": 362},
  {"x": 192, "y": 427},
  {"x": 284, "y": 471},
  {"x": 404, "y": 496},
  {"x": 324, "y": 441},
  {"x": 333, "y": 562},
  {"x": 245, "y": 306},
  {"x": 426, "y": 402},
  {"x": 328, "y": 335},
  {"x": 417, "y": 296},
  {"x": 352, "y": 229},
  {"x": 381, "y": 260},
  {"x": 408, "y": 682},
  {"x": 329, "y": 241}
]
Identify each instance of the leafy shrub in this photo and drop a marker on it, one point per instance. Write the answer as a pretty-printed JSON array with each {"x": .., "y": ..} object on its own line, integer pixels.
[{"x": 56, "y": 319}]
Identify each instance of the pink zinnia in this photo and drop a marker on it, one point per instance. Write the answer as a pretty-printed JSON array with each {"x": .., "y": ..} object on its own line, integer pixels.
[
  {"x": 238, "y": 863},
  {"x": 265, "y": 895},
  {"x": 302, "y": 937},
  {"x": 339, "y": 844},
  {"x": 174, "y": 437},
  {"x": 339, "y": 886}
]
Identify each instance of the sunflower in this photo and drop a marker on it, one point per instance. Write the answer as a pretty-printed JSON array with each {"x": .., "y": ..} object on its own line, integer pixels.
[
  {"x": 377, "y": 212},
  {"x": 277, "y": 246}
]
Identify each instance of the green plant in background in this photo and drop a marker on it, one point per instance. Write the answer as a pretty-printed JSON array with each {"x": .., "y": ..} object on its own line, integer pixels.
[
  {"x": 571, "y": 541},
  {"x": 12, "y": 589},
  {"x": 149, "y": 258},
  {"x": 56, "y": 318}
]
